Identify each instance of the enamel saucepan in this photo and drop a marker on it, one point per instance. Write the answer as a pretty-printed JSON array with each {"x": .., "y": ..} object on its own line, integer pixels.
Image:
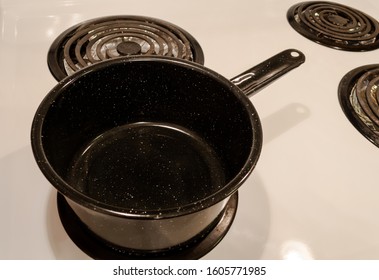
[{"x": 147, "y": 151}]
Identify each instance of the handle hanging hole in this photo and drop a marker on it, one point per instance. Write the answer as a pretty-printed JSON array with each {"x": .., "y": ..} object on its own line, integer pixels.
[{"x": 295, "y": 54}]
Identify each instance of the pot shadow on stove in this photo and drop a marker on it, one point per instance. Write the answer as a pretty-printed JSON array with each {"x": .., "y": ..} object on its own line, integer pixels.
[
  {"x": 283, "y": 120},
  {"x": 247, "y": 238},
  {"x": 62, "y": 245},
  {"x": 29, "y": 213},
  {"x": 22, "y": 198},
  {"x": 250, "y": 228},
  {"x": 248, "y": 235}
]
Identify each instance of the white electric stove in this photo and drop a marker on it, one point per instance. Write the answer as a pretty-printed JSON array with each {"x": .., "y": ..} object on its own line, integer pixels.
[{"x": 314, "y": 193}]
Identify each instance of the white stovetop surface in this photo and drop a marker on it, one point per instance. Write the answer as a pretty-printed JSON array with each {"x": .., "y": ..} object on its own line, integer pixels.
[{"x": 314, "y": 193}]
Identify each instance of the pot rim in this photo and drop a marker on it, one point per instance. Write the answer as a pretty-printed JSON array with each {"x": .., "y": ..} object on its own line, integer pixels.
[{"x": 65, "y": 189}]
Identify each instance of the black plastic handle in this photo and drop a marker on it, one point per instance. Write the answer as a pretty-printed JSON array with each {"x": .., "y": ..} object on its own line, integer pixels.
[{"x": 258, "y": 77}]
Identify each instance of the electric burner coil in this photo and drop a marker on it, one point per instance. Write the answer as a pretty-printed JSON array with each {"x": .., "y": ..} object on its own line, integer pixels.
[
  {"x": 110, "y": 37},
  {"x": 335, "y": 25},
  {"x": 358, "y": 94}
]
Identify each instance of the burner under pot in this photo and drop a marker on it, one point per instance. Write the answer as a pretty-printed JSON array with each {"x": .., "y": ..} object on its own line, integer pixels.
[
  {"x": 359, "y": 98},
  {"x": 335, "y": 25},
  {"x": 110, "y": 37},
  {"x": 97, "y": 248}
]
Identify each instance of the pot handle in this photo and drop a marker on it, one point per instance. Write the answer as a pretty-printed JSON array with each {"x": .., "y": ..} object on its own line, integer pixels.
[{"x": 258, "y": 77}]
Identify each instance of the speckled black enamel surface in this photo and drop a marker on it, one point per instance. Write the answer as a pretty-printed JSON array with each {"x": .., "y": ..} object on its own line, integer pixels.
[
  {"x": 195, "y": 248},
  {"x": 191, "y": 101},
  {"x": 147, "y": 166},
  {"x": 147, "y": 151}
]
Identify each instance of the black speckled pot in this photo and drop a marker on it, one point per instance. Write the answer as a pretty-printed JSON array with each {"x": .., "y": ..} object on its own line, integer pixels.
[{"x": 148, "y": 150}]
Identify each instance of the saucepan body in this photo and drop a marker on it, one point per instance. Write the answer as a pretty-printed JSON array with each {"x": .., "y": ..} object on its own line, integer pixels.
[{"x": 147, "y": 151}]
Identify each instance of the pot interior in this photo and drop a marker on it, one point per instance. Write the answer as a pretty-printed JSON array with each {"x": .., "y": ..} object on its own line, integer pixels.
[
  {"x": 148, "y": 135},
  {"x": 160, "y": 164}
]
